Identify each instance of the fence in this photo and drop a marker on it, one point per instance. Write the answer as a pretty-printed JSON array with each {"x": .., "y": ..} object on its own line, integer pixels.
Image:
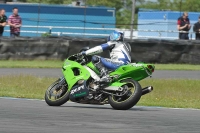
[
  {"x": 109, "y": 30},
  {"x": 88, "y": 21},
  {"x": 40, "y": 15},
  {"x": 163, "y": 21}
]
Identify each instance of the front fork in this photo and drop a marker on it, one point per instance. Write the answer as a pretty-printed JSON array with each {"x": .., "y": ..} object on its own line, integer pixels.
[{"x": 62, "y": 81}]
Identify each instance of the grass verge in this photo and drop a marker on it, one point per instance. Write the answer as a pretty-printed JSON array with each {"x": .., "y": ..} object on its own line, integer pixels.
[
  {"x": 178, "y": 93},
  {"x": 59, "y": 63},
  {"x": 24, "y": 86},
  {"x": 31, "y": 63},
  {"x": 177, "y": 67}
]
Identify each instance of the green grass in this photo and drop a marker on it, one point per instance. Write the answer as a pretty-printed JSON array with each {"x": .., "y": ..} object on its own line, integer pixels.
[
  {"x": 31, "y": 63},
  {"x": 177, "y": 67},
  {"x": 59, "y": 63},
  {"x": 167, "y": 93},
  {"x": 24, "y": 86},
  {"x": 179, "y": 93}
]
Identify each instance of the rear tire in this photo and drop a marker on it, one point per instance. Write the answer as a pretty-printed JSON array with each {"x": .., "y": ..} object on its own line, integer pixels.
[
  {"x": 55, "y": 96},
  {"x": 127, "y": 102}
]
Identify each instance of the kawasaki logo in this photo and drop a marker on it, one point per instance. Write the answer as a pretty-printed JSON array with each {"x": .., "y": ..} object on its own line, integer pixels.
[
  {"x": 77, "y": 89},
  {"x": 137, "y": 65}
]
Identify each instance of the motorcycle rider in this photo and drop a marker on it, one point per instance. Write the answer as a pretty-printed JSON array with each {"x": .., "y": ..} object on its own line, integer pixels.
[{"x": 120, "y": 54}]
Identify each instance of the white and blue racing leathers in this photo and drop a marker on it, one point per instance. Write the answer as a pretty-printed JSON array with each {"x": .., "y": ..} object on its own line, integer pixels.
[{"x": 119, "y": 54}]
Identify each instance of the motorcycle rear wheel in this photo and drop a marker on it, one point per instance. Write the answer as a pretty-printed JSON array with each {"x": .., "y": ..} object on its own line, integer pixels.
[
  {"x": 57, "y": 94},
  {"x": 130, "y": 99}
]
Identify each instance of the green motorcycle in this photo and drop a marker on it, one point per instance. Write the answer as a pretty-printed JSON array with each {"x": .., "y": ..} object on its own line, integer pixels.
[{"x": 79, "y": 84}]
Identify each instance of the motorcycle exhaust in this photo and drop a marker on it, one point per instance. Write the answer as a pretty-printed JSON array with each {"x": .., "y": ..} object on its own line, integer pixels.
[{"x": 147, "y": 90}]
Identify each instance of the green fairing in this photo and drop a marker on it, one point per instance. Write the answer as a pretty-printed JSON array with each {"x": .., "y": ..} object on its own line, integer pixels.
[
  {"x": 70, "y": 77},
  {"x": 91, "y": 66},
  {"x": 134, "y": 71}
]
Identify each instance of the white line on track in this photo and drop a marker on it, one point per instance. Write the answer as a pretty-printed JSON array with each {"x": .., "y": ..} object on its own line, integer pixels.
[{"x": 11, "y": 98}]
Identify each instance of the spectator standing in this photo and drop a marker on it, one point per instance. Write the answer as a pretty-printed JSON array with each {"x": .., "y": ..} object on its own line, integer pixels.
[
  {"x": 183, "y": 25},
  {"x": 196, "y": 28},
  {"x": 3, "y": 19},
  {"x": 15, "y": 23}
]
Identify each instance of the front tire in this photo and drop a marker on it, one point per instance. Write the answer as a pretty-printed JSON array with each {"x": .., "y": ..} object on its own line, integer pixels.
[
  {"x": 57, "y": 94},
  {"x": 130, "y": 99}
]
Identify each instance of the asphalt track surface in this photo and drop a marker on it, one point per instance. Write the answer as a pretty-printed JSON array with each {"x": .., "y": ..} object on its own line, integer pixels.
[
  {"x": 161, "y": 74},
  {"x": 34, "y": 116}
]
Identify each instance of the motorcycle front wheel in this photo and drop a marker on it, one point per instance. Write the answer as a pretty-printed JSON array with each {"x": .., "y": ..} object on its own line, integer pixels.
[
  {"x": 130, "y": 98},
  {"x": 57, "y": 93}
]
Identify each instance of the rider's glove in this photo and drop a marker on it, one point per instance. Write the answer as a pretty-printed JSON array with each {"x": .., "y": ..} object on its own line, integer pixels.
[{"x": 81, "y": 54}]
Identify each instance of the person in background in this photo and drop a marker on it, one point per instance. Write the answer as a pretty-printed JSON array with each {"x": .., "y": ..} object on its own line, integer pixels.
[
  {"x": 15, "y": 23},
  {"x": 183, "y": 25},
  {"x": 196, "y": 28},
  {"x": 3, "y": 19}
]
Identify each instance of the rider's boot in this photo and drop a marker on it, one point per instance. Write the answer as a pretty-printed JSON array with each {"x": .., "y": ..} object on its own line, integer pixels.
[{"x": 105, "y": 79}]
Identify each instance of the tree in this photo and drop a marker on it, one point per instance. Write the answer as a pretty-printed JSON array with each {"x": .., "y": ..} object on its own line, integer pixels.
[
  {"x": 48, "y": 1},
  {"x": 191, "y": 5},
  {"x": 118, "y": 4},
  {"x": 174, "y": 5},
  {"x": 123, "y": 16}
]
